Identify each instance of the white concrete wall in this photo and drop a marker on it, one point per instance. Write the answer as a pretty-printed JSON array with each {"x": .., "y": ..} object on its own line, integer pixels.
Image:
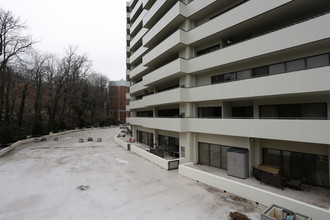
[
  {"x": 311, "y": 80},
  {"x": 319, "y": 149},
  {"x": 254, "y": 194}
]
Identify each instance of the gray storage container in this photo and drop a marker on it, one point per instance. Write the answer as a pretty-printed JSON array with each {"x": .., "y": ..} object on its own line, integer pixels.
[{"x": 238, "y": 162}]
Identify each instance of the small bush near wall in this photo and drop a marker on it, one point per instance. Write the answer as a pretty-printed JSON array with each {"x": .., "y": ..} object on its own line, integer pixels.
[
  {"x": 6, "y": 137},
  {"x": 37, "y": 129}
]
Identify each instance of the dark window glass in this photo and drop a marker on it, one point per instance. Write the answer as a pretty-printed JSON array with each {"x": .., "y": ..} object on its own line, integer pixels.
[
  {"x": 210, "y": 112},
  {"x": 317, "y": 61},
  {"x": 309, "y": 168},
  {"x": 203, "y": 154},
  {"x": 293, "y": 111},
  {"x": 268, "y": 111},
  {"x": 272, "y": 157},
  {"x": 229, "y": 77},
  {"x": 208, "y": 50},
  {"x": 289, "y": 111},
  {"x": 295, "y": 65},
  {"x": 260, "y": 71},
  {"x": 245, "y": 74},
  {"x": 276, "y": 68},
  {"x": 145, "y": 138},
  {"x": 242, "y": 112},
  {"x": 314, "y": 111},
  {"x": 168, "y": 113},
  {"x": 144, "y": 114},
  {"x": 213, "y": 155},
  {"x": 216, "y": 79}
]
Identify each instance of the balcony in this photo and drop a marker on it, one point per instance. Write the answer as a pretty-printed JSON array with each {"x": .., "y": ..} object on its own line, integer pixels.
[
  {"x": 170, "y": 21},
  {"x": 196, "y": 6},
  {"x": 138, "y": 21},
  {"x": 304, "y": 81},
  {"x": 231, "y": 18},
  {"x": 137, "y": 87},
  {"x": 137, "y": 71},
  {"x": 137, "y": 7},
  {"x": 128, "y": 109},
  {"x": 312, "y": 131},
  {"x": 137, "y": 54},
  {"x": 171, "y": 70},
  {"x": 274, "y": 42},
  {"x": 136, "y": 104},
  {"x": 168, "y": 97},
  {"x": 170, "y": 45},
  {"x": 153, "y": 10},
  {"x": 138, "y": 37},
  {"x": 169, "y": 124}
]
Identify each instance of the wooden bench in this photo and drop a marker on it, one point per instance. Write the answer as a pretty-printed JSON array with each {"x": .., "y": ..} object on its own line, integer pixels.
[{"x": 269, "y": 174}]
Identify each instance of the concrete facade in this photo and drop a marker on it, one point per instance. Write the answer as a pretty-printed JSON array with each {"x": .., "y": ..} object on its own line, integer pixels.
[{"x": 245, "y": 74}]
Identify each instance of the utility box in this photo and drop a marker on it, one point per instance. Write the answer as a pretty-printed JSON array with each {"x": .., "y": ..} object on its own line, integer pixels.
[{"x": 238, "y": 162}]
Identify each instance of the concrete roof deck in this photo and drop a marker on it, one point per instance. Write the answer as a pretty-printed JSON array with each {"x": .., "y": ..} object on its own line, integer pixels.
[{"x": 43, "y": 181}]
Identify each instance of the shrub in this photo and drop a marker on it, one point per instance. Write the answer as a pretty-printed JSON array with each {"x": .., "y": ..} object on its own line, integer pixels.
[
  {"x": 61, "y": 127},
  {"x": 37, "y": 129},
  {"x": 81, "y": 123},
  {"x": 102, "y": 123},
  {"x": 6, "y": 136}
]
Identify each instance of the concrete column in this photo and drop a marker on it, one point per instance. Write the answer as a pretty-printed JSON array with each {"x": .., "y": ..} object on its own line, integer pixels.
[
  {"x": 188, "y": 141},
  {"x": 191, "y": 110},
  {"x": 155, "y": 112},
  {"x": 155, "y": 138},
  {"x": 328, "y": 101},
  {"x": 329, "y": 163},
  {"x": 226, "y": 110},
  {"x": 255, "y": 109}
]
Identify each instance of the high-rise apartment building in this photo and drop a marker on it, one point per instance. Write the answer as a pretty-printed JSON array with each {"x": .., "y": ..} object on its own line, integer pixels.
[{"x": 206, "y": 76}]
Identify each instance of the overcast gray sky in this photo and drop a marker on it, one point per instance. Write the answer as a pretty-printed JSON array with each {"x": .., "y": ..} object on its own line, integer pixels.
[{"x": 96, "y": 26}]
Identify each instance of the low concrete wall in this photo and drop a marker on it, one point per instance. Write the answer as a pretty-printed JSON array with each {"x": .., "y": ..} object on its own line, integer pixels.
[
  {"x": 151, "y": 157},
  {"x": 120, "y": 142},
  {"x": 18, "y": 143},
  {"x": 253, "y": 193},
  {"x": 145, "y": 154},
  {"x": 14, "y": 145}
]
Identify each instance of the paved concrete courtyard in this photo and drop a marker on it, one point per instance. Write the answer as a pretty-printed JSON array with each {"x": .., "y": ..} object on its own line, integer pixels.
[{"x": 66, "y": 179}]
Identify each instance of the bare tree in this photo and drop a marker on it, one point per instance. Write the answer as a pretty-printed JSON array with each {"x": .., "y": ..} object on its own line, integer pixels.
[
  {"x": 12, "y": 44},
  {"x": 76, "y": 67}
]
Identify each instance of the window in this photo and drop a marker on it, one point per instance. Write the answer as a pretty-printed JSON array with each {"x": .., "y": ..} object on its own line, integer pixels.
[
  {"x": 294, "y": 111},
  {"x": 245, "y": 74},
  {"x": 295, "y": 65},
  {"x": 310, "y": 168},
  {"x": 168, "y": 113},
  {"x": 170, "y": 144},
  {"x": 212, "y": 155},
  {"x": 242, "y": 112},
  {"x": 276, "y": 68},
  {"x": 145, "y": 138},
  {"x": 144, "y": 114},
  {"x": 260, "y": 71},
  {"x": 210, "y": 112},
  {"x": 228, "y": 77},
  {"x": 318, "y": 61},
  {"x": 208, "y": 50}
]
